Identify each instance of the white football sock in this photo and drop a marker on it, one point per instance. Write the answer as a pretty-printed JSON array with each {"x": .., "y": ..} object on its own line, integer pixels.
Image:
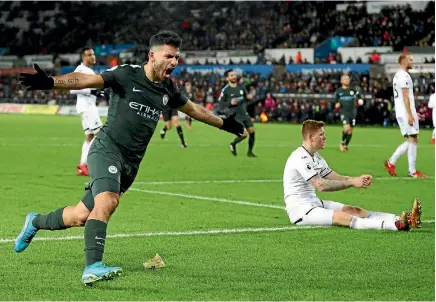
[
  {"x": 433, "y": 135},
  {"x": 412, "y": 157},
  {"x": 365, "y": 224},
  {"x": 372, "y": 224},
  {"x": 400, "y": 151},
  {"x": 85, "y": 150},
  {"x": 382, "y": 216}
]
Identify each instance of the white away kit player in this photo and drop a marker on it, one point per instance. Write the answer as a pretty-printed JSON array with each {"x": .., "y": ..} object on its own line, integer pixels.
[
  {"x": 432, "y": 105},
  {"x": 86, "y": 107},
  {"x": 407, "y": 117},
  {"x": 306, "y": 171}
]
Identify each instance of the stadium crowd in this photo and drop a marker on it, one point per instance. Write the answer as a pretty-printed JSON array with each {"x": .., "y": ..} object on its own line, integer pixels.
[
  {"x": 32, "y": 27},
  {"x": 377, "y": 109}
]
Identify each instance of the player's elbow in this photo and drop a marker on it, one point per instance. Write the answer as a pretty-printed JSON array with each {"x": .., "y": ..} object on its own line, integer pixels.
[
  {"x": 319, "y": 188},
  {"x": 317, "y": 185}
]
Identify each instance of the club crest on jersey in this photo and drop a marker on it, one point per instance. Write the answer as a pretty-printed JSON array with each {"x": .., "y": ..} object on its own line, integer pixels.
[
  {"x": 351, "y": 92},
  {"x": 166, "y": 98},
  {"x": 308, "y": 167},
  {"x": 113, "y": 169},
  {"x": 241, "y": 92}
]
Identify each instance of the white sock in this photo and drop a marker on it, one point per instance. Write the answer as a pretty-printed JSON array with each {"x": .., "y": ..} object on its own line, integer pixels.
[
  {"x": 412, "y": 157},
  {"x": 365, "y": 224},
  {"x": 372, "y": 224},
  {"x": 433, "y": 135},
  {"x": 400, "y": 151},
  {"x": 382, "y": 216},
  {"x": 85, "y": 150}
]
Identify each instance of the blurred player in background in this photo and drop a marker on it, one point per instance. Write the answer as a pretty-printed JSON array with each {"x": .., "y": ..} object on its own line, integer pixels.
[
  {"x": 86, "y": 107},
  {"x": 233, "y": 98},
  {"x": 190, "y": 94},
  {"x": 171, "y": 118},
  {"x": 432, "y": 104},
  {"x": 347, "y": 98},
  {"x": 407, "y": 117},
  {"x": 306, "y": 171}
]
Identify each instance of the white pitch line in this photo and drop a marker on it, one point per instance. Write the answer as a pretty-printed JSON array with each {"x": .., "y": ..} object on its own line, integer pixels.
[
  {"x": 188, "y": 182},
  {"x": 241, "y": 202},
  {"x": 186, "y": 233},
  {"x": 230, "y": 181}
]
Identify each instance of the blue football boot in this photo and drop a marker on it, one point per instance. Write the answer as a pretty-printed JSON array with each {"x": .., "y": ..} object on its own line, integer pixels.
[
  {"x": 27, "y": 233},
  {"x": 99, "y": 272}
]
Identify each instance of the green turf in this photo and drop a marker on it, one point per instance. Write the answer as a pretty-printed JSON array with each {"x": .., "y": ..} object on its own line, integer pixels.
[{"x": 39, "y": 155}]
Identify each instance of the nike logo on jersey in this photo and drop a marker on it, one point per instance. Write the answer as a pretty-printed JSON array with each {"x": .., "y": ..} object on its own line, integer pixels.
[{"x": 137, "y": 90}]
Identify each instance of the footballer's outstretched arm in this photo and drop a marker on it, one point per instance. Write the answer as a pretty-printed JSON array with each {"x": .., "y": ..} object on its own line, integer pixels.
[
  {"x": 201, "y": 114},
  {"x": 76, "y": 80}
]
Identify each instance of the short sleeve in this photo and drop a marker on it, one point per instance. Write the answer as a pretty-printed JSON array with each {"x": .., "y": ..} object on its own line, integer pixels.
[
  {"x": 305, "y": 166},
  {"x": 114, "y": 77},
  {"x": 223, "y": 96},
  {"x": 432, "y": 102},
  {"x": 404, "y": 80},
  {"x": 244, "y": 90},
  {"x": 325, "y": 169},
  {"x": 177, "y": 98}
]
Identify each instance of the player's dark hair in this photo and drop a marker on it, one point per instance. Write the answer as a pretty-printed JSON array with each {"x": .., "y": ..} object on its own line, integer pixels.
[
  {"x": 166, "y": 37},
  {"x": 82, "y": 51},
  {"x": 310, "y": 126},
  {"x": 226, "y": 73}
]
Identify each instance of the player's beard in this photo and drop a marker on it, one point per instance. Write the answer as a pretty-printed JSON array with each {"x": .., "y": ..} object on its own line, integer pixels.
[{"x": 161, "y": 72}]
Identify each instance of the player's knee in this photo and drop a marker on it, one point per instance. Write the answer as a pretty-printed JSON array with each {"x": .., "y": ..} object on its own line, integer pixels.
[
  {"x": 245, "y": 134},
  {"x": 106, "y": 202},
  {"x": 169, "y": 126},
  {"x": 81, "y": 218},
  {"x": 341, "y": 218},
  {"x": 413, "y": 138},
  {"x": 359, "y": 212},
  {"x": 175, "y": 121}
]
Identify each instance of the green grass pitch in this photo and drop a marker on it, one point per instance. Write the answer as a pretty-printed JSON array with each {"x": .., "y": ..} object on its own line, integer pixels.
[{"x": 217, "y": 220}]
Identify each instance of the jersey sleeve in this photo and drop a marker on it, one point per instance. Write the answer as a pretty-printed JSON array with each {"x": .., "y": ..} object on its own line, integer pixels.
[
  {"x": 85, "y": 91},
  {"x": 403, "y": 80},
  {"x": 432, "y": 101},
  {"x": 325, "y": 169},
  {"x": 224, "y": 99},
  {"x": 305, "y": 166},
  {"x": 336, "y": 96},
  {"x": 115, "y": 77},
  {"x": 243, "y": 97},
  {"x": 177, "y": 98}
]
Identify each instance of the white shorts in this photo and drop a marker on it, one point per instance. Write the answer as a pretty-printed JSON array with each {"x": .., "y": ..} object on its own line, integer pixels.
[
  {"x": 91, "y": 122},
  {"x": 405, "y": 128},
  {"x": 319, "y": 212}
]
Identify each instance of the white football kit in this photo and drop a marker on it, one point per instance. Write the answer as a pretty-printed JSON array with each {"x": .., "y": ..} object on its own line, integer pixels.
[
  {"x": 432, "y": 104},
  {"x": 402, "y": 80},
  {"x": 86, "y": 106},
  {"x": 299, "y": 193}
]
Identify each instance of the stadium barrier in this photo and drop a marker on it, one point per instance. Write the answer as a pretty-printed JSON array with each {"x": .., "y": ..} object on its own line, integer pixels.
[
  {"x": 71, "y": 110},
  {"x": 28, "y": 109},
  {"x": 52, "y": 109}
]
